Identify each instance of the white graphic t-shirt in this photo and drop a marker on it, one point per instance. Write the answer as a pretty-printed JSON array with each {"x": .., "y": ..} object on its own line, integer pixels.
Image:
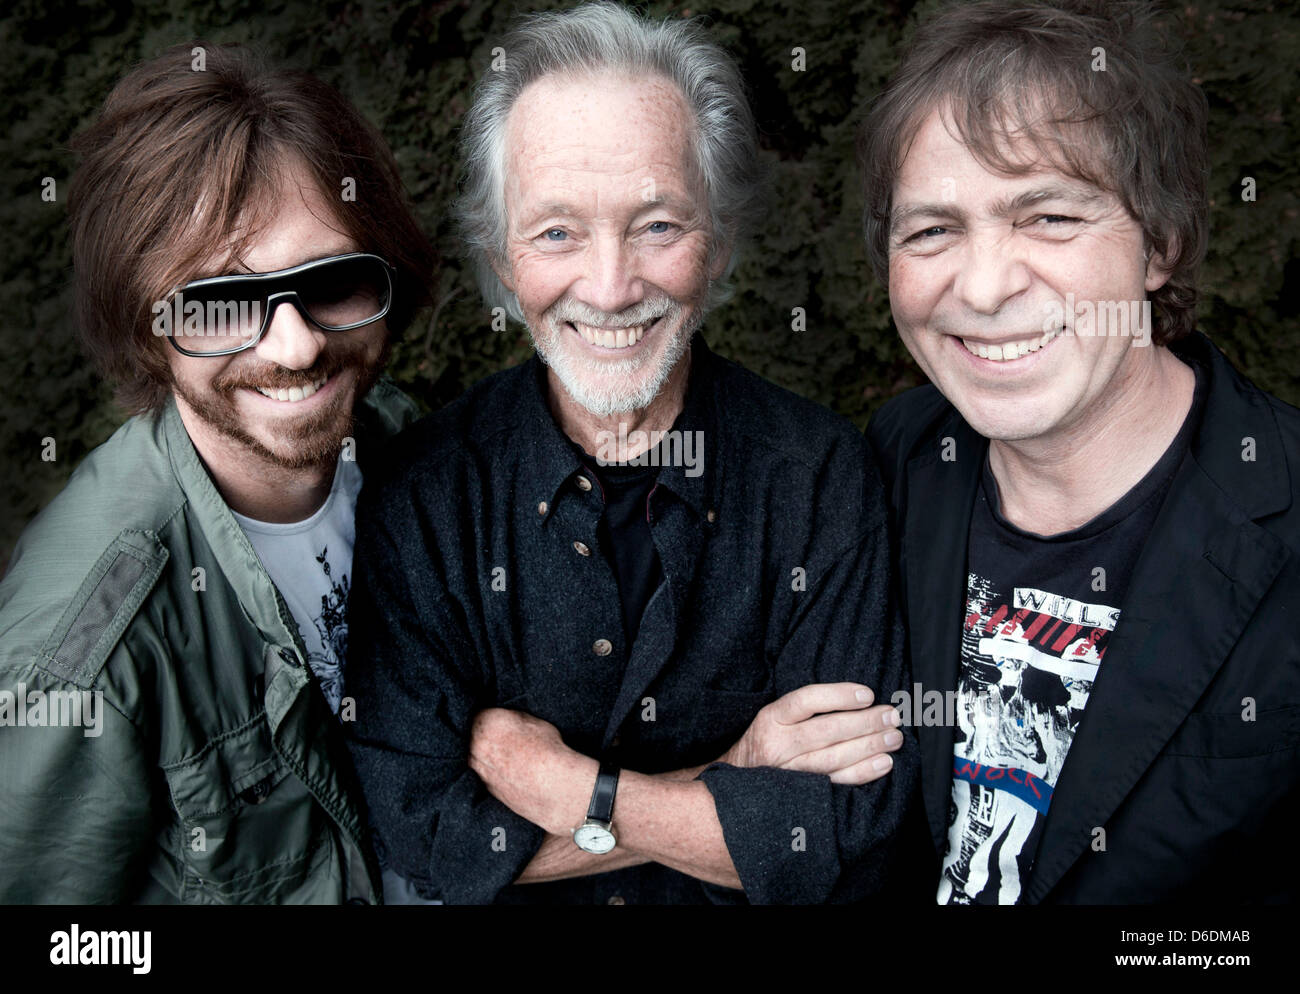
[{"x": 310, "y": 561}]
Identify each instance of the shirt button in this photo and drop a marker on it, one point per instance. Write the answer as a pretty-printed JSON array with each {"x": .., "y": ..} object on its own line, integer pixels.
[
  {"x": 581, "y": 549},
  {"x": 602, "y": 647},
  {"x": 542, "y": 509},
  {"x": 616, "y": 899},
  {"x": 616, "y": 742},
  {"x": 712, "y": 515},
  {"x": 583, "y": 483}
]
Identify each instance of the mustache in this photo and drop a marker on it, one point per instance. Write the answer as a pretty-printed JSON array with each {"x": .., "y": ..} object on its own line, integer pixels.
[
  {"x": 642, "y": 312},
  {"x": 275, "y": 377}
]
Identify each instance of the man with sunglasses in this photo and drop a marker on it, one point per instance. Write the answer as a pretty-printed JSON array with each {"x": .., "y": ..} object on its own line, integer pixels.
[{"x": 172, "y": 626}]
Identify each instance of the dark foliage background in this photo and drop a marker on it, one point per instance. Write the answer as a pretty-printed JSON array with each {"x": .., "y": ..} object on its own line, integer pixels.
[{"x": 410, "y": 66}]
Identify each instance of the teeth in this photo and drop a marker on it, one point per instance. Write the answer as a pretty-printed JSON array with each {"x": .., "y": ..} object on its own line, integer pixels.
[
  {"x": 1011, "y": 350},
  {"x": 293, "y": 394},
  {"x": 620, "y": 338}
]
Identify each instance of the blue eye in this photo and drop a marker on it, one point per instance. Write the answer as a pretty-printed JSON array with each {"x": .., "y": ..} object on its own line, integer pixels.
[
  {"x": 927, "y": 233},
  {"x": 658, "y": 227},
  {"x": 556, "y": 235}
]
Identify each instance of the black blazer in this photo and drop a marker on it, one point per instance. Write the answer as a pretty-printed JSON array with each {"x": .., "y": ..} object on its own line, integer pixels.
[{"x": 1196, "y": 802}]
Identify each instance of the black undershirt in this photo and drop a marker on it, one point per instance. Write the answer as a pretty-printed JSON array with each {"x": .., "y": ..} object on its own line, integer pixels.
[{"x": 624, "y": 531}]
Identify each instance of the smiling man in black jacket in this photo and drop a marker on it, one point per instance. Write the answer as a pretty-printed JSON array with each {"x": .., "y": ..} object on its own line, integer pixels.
[
  {"x": 1096, "y": 512},
  {"x": 627, "y": 579}
]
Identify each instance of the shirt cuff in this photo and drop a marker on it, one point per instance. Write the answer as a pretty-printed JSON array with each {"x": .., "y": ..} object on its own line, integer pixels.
[
  {"x": 478, "y": 853},
  {"x": 779, "y": 827}
]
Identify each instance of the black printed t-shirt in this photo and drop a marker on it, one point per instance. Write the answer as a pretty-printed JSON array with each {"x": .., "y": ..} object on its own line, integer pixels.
[{"x": 1039, "y": 614}]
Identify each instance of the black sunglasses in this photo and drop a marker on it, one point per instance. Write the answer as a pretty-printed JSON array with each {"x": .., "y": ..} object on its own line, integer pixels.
[{"x": 219, "y": 315}]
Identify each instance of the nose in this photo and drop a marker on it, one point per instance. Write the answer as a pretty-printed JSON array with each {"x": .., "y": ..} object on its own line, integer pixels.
[
  {"x": 992, "y": 271},
  {"x": 610, "y": 282},
  {"x": 289, "y": 340}
]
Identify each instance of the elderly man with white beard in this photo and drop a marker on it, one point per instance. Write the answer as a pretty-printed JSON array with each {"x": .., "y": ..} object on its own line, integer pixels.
[{"x": 647, "y": 678}]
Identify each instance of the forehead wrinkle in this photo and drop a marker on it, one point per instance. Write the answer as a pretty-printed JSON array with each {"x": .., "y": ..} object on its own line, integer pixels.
[
  {"x": 662, "y": 111},
  {"x": 901, "y": 215},
  {"x": 661, "y": 107},
  {"x": 562, "y": 208},
  {"x": 1003, "y": 206},
  {"x": 1055, "y": 191},
  {"x": 616, "y": 198}
]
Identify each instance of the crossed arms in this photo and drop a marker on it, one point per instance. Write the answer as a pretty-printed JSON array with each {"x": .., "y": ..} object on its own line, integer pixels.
[
  {"x": 670, "y": 818},
  {"x": 469, "y": 798}
]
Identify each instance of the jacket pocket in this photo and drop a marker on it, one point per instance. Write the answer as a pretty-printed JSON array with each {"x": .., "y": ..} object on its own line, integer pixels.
[
  {"x": 249, "y": 831},
  {"x": 1230, "y": 736}
]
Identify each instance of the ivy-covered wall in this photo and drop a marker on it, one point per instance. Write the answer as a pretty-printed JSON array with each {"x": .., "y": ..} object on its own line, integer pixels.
[{"x": 409, "y": 66}]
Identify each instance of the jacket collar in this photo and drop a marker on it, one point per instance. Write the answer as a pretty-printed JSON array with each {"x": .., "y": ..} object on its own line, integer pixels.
[
  {"x": 236, "y": 560},
  {"x": 552, "y": 462},
  {"x": 1204, "y": 549},
  {"x": 1261, "y": 484},
  {"x": 383, "y": 412}
]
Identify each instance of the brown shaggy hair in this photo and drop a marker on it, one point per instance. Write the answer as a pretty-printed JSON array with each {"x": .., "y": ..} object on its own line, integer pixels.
[
  {"x": 183, "y": 161},
  {"x": 1136, "y": 129}
]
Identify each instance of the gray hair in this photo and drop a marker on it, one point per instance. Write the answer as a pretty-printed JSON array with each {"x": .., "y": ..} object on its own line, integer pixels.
[{"x": 599, "y": 37}]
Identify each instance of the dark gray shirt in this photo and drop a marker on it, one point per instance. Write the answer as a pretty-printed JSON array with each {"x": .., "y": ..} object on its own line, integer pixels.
[{"x": 480, "y": 580}]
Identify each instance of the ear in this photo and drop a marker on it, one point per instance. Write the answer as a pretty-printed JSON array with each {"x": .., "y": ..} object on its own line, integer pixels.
[
  {"x": 1158, "y": 267},
  {"x": 721, "y": 260},
  {"x": 503, "y": 274}
]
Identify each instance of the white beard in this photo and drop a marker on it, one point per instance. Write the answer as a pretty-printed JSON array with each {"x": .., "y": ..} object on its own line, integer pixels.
[{"x": 613, "y": 386}]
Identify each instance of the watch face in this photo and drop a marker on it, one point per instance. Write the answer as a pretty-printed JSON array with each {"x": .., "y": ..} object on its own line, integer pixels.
[{"x": 594, "y": 839}]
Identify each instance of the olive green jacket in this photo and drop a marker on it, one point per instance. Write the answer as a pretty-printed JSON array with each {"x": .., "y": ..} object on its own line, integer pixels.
[{"x": 161, "y": 737}]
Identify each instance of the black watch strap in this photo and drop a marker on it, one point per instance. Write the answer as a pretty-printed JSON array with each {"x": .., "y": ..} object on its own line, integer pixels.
[{"x": 602, "y": 798}]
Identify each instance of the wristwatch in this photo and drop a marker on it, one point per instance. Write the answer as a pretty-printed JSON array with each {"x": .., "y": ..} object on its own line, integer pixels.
[{"x": 594, "y": 835}]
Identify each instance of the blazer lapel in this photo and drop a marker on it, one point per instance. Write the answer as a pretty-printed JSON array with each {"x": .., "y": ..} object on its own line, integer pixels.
[
  {"x": 1202, "y": 572},
  {"x": 1165, "y": 650},
  {"x": 933, "y": 549}
]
